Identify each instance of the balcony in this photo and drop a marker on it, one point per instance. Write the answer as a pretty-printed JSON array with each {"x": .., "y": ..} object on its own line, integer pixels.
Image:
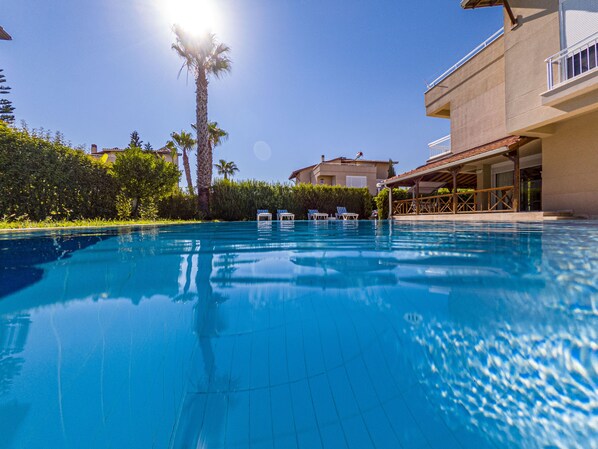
[
  {"x": 466, "y": 59},
  {"x": 572, "y": 62},
  {"x": 440, "y": 148}
]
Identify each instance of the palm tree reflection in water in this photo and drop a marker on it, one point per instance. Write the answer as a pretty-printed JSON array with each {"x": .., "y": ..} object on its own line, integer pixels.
[{"x": 204, "y": 408}]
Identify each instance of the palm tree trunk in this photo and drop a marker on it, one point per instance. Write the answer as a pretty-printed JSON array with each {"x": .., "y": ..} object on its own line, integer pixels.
[
  {"x": 204, "y": 154},
  {"x": 187, "y": 169}
]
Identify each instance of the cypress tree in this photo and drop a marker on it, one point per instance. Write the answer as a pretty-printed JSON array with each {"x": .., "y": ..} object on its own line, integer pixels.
[
  {"x": 136, "y": 141},
  {"x": 6, "y": 107},
  {"x": 391, "y": 169}
]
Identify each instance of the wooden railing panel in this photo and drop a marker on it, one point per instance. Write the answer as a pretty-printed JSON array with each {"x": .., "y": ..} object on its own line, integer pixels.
[{"x": 497, "y": 199}]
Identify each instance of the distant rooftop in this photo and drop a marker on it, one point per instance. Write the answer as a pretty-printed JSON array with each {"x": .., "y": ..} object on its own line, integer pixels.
[
  {"x": 337, "y": 160},
  {"x": 471, "y": 4},
  {"x": 116, "y": 150},
  {"x": 4, "y": 35}
]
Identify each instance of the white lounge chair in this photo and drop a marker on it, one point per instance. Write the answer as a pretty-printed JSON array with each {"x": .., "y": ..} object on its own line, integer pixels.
[
  {"x": 263, "y": 214},
  {"x": 313, "y": 214},
  {"x": 284, "y": 214},
  {"x": 341, "y": 213}
]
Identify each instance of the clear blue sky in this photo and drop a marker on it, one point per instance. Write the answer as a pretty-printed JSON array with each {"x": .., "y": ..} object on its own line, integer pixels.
[{"x": 310, "y": 77}]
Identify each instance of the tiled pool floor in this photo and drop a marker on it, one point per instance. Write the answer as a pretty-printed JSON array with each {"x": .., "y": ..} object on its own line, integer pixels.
[{"x": 301, "y": 335}]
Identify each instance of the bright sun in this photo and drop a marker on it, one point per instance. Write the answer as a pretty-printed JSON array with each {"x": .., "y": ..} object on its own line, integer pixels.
[{"x": 195, "y": 16}]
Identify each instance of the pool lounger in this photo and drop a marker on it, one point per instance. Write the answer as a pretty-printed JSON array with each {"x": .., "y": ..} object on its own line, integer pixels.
[
  {"x": 341, "y": 212},
  {"x": 263, "y": 214},
  {"x": 313, "y": 214},
  {"x": 284, "y": 214}
]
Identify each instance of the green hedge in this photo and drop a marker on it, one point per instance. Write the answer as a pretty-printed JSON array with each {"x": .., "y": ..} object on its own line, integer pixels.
[
  {"x": 179, "y": 206},
  {"x": 40, "y": 180},
  {"x": 381, "y": 200},
  {"x": 233, "y": 201}
]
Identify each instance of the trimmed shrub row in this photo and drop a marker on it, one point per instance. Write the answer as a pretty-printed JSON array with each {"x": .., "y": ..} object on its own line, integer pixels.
[
  {"x": 179, "y": 206},
  {"x": 235, "y": 201},
  {"x": 381, "y": 200},
  {"x": 41, "y": 180}
]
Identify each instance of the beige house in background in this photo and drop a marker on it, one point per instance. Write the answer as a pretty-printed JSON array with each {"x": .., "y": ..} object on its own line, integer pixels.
[
  {"x": 343, "y": 171},
  {"x": 523, "y": 111},
  {"x": 112, "y": 154}
]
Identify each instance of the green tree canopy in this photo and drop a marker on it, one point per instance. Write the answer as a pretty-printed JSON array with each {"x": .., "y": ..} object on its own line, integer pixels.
[{"x": 143, "y": 176}]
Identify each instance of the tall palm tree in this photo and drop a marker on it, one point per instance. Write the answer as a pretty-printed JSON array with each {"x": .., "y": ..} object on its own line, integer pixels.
[
  {"x": 184, "y": 141},
  {"x": 202, "y": 56},
  {"x": 226, "y": 169},
  {"x": 216, "y": 135}
]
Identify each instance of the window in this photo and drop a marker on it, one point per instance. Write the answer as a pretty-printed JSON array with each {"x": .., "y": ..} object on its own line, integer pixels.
[
  {"x": 579, "y": 20},
  {"x": 357, "y": 181}
]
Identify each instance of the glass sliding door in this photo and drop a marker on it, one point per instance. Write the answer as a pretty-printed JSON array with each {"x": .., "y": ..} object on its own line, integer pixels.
[
  {"x": 505, "y": 179},
  {"x": 531, "y": 189}
]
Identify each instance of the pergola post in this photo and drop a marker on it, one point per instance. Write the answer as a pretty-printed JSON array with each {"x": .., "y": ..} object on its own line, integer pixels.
[
  {"x": 514, "y": 156},
  {"x": 517, "y": 181},
  {"x": 416, "y": 191},
  {"x": 511, "y": 15},
  {"x": 390, "y": 203},
  {"x": 455, "y": 172}
]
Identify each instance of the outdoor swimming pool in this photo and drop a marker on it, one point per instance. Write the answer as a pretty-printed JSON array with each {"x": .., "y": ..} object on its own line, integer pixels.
[{"x": 301, "y": 335}]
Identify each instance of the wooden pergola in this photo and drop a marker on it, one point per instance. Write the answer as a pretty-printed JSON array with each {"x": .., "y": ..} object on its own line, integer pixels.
[
  {"x": 472, "y": 4},
  {"x": 4, "y": 35},
  {"x": 456, "y": 171}
]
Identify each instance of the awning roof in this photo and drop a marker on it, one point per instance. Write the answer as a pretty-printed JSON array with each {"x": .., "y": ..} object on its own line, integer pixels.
[
  {"x": 428, "y": 187},
  {"x": 4, "y": 35},
  {"x": 470, "y": 4},
  {"x": 436, "y": 171}
]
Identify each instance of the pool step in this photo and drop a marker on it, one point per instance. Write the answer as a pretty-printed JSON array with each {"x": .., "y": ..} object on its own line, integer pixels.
[{"x": 561, "y": 215}]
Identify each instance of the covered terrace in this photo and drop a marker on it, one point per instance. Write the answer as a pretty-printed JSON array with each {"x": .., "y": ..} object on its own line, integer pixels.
[{"x": 465, "y": 174}]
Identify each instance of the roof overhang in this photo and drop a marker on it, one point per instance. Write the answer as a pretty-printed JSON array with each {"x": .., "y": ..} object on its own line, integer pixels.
[
  {"x": 428, "y": 187},
  {"x": 4, "y": 35},
  {"x": 471, "y": 4},
  {"x": 429, "y": 171}
]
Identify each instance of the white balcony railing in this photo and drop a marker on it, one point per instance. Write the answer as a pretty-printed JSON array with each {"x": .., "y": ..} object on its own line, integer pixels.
[
  {"x": 440, "y": 147},
  {"x": 572, "y": 62},
  {"x": 466, "y": 58}
]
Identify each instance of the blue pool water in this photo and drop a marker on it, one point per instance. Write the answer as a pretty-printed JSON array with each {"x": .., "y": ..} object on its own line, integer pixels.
[{"x": 301, "y": 335}]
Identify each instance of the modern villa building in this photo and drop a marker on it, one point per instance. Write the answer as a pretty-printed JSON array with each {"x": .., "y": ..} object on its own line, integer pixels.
[
  {"x": 343, "y": 171},
  {"x": 523, "y": 111}
]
